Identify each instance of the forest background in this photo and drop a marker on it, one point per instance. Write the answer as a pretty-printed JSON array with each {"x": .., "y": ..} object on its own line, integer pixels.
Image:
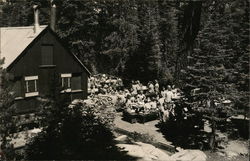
[{"x": 188, "y": 43}]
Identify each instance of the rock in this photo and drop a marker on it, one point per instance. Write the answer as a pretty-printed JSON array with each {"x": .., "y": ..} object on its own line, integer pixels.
[
  {"x": 179, "y": 149},
  {"x": 132, "y": 150},
  {"x": 189, "y": 155},
  {"x": 232, "y": 154},
  {"x": 220, "y": 153},
  {"x": 36, "y": 130},
  {"x": 145, "y": 151},
  {"x": 235, "y": 148},
  {"x": 121, "y": 138}
]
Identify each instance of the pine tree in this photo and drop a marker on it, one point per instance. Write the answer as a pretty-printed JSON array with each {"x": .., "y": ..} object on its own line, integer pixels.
[
  {"x": 77, "y": 25},
  {"x": 187, "y": 29},
  {"x": 212, "y": 65},
  {"x": 123, "y": 39},
  {"x": 239, "y": 23},
  {"x": 154, "y": 55},
  {"x": 169, "y": 37},
  {"x": 8, "y": 124}
]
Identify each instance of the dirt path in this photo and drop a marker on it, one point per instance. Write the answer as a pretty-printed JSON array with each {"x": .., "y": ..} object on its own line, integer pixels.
[
  {"x": 147, "y": 128},
  {"x": 150, "y": 129}
]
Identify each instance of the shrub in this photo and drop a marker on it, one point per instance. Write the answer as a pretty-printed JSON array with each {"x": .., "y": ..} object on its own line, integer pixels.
[{"x": 83, "y": 131}]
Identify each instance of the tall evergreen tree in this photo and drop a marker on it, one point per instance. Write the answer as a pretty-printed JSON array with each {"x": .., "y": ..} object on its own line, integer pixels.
[
  {"x": 8, "y": 125},
  {"x": 123, "y": 39},
  {"x": 212, "y": 65}
]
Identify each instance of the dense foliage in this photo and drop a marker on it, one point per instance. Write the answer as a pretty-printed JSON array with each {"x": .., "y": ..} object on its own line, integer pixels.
[
  {"x": 7, "y": 110},
  {"x": 76, "y": 131},
  {"x": 133, "y": 39},
  {"x": 218, "y": 64},
  {"x": 196, "y": 44}
]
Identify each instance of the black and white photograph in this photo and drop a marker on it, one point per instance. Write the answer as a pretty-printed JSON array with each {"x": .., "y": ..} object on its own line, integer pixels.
[{"x": 137, "y": 80}]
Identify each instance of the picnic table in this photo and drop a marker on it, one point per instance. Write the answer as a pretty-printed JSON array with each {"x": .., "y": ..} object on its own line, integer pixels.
[
  {"x": 148, "y": 116},
  {"x": 140, "y": 117}
]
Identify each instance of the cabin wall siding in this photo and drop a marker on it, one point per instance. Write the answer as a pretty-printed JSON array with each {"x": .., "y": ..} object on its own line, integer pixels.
[
  {"x": 27, "y": 105},
  {"x": 29, "y": 65}
]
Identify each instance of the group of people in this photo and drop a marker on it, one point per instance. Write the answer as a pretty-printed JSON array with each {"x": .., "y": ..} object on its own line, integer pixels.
[
  {"x": 104, "y": 84},
  {"x": 152, "y": 88},
  {"x": 153, "y": 99},
  {"x": 137, "y": 98}
]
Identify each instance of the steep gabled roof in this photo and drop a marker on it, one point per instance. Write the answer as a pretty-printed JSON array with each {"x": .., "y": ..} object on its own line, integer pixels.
[
  {"x": 66, "y": 48},
  {"x": 14, "y": 40}
]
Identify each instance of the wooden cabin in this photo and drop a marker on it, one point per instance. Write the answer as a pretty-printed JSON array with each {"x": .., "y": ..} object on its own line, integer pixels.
[{"x": 38, "y": 62}]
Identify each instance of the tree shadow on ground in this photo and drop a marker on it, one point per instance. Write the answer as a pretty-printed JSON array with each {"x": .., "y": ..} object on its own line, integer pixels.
[
  {"x": 51, "y": 150},
  {"x": 183, "y": 134}
]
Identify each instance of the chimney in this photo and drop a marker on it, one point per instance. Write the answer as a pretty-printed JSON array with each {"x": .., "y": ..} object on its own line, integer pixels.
[
  {"x": 53, "y": 17},
  {"x": 36, "y": 19}
]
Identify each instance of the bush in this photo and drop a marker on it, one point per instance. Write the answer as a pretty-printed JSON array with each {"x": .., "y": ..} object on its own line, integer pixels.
[
  {"x": 145, "y": 138},
  {"x": 82, "y": 132}
]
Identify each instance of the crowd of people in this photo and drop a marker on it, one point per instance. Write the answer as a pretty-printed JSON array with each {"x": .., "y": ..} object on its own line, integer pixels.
[
  {"x": 104, "y": 84},
  {"x": 136, "y": 97},
  {"x": 152, "y": 98}
]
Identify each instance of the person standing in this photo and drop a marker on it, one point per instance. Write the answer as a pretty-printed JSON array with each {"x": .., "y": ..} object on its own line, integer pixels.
[
  {"x": 169, "y": 94},
  {"x": 134, "y": 88},
  {"x": 157, "y": 87},
  {"x": 141, "y": 97},
  {"x": 138, "y": 86},
  {"x": 163, "y": 92},
  {"x": 151, "y": 87},
  {"x": 164, "y": 109}
]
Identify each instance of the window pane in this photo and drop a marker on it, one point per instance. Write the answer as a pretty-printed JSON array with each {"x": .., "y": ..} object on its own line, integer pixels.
[
  {"x": 66, "y": 82},
  {"x": 47, "y": 55},
  {"x": 31, "y": 86},
  {"x": 76, "y": 82}
]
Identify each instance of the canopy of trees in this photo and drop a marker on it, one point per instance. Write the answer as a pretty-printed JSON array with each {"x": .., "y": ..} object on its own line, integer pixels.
[
  {"x": 195, "y": 44},
  {"x": 134, "y": 39},
  {"x": 189, "y": 43}
]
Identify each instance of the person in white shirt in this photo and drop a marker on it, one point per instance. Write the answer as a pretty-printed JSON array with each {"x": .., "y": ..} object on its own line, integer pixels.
[
  {"x": 138, "y": 86},
  {"x": 151, "y": 87},
  {"x": 165, "y": 112},
  {"x": 147, "y": 105},
  {"x": 122, "y": 96},
  {"x": 133, "y": 91},
  {"x": 161, "y": 101},
  {"x": 153, "y": 104},
  {"x": 128, "y": 102},
  {"x": 169, "y": 94},
  {"x": 157, "y": 87},
  {"x": 163, "y": 92},
  {"x": 140, "y": 104},
  {"x": 134, "y": 88},
  {"x": 141, "y": 97}
]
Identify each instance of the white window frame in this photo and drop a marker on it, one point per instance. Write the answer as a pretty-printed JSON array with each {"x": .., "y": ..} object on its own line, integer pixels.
[
  {"x": 27, "y": 79},
  {"x": 68, "y": 76}
]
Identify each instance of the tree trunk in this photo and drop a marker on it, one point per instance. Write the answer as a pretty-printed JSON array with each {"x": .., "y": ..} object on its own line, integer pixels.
[
  {"x": 189, "y": 26},
  {"x": 212, "y": 136}
]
